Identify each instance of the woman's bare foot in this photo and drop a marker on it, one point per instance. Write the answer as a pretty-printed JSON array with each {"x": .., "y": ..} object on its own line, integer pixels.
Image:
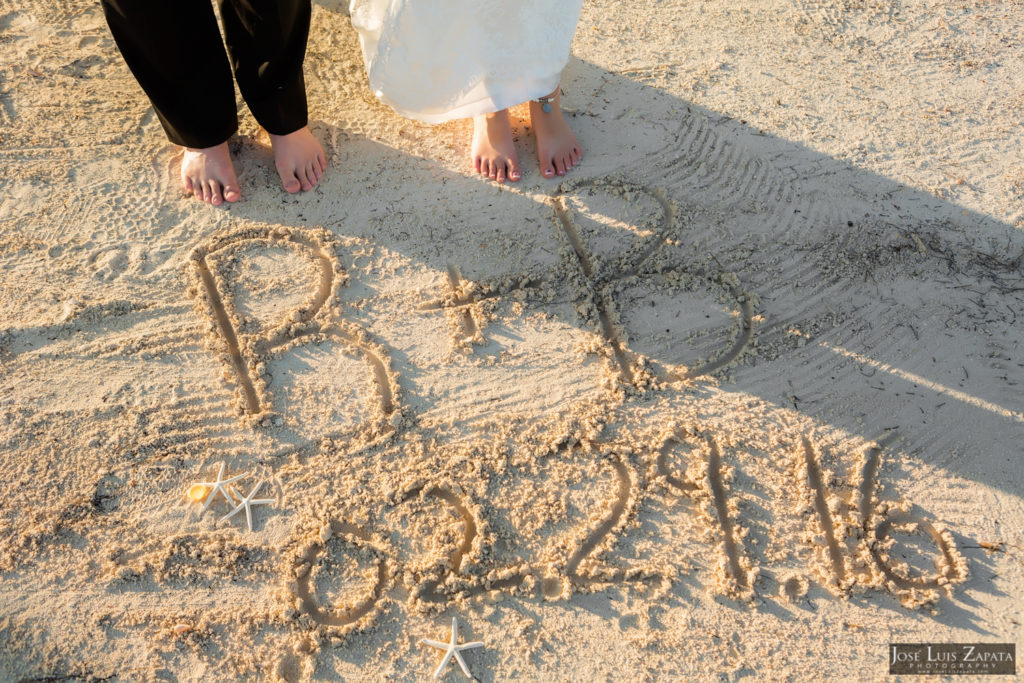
[
  {"x": 299, "y": 159},
  {"x": 557, "y": 148},
  {"x": 494, "y": 153},
  {"x": 209, "y": 174}
]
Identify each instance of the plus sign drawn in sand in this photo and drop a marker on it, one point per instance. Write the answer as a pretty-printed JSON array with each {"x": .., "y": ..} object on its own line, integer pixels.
[
  {"x": 461, "y": 308},
  {"x": 317, "y": 318}
]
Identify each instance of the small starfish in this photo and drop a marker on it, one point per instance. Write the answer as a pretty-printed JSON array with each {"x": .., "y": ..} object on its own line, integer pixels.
[
  {"x": 247, "y": 502},
  {"x": 220, "y": 485},
  {"x": 452, "y": 649}
]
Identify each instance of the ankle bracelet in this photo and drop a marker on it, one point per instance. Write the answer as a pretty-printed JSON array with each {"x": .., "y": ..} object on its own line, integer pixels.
[{"x": 545, "y": 103}]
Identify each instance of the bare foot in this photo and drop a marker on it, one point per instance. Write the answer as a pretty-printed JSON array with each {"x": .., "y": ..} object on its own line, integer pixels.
[
  {"x": 299, "y": 159},
  {"x": 494, "y": 153},
  {"x": 209, "y": 174},
  {"x": 557, "y": 148}
]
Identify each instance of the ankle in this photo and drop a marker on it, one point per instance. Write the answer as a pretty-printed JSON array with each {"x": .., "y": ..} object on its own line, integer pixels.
[
  {"x": 494, "y": 117},
  {"x": 543, "y": 108},
  {"x": 298, "y": 132},
  {"x": 205, "y": 150}
]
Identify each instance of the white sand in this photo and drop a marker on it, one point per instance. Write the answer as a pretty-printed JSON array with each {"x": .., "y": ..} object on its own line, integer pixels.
[{"x": 740, "y": 399}]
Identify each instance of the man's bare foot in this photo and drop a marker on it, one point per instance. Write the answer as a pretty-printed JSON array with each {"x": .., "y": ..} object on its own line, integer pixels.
[
  {"x": 299, "y": 159},
  {"x": 557, "y": 148},
  {"x": 209, "y": 174},
  {"x": 494, "y": 153}
]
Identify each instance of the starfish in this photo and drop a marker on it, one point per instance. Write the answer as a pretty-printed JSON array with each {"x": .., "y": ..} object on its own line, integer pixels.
[
  {"x": 247, "y": 502},
  {"x": 220, "y": 485},
  {"x": 452, "y": 649}
]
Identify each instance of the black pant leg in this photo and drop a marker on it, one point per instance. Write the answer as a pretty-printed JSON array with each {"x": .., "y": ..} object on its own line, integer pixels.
[
  {"x": 266, "y": 42},
  {"x": 174, "y": 49}
]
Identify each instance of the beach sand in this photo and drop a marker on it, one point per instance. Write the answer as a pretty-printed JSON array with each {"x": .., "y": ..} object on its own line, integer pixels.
[{"x": 741, "y": 397}]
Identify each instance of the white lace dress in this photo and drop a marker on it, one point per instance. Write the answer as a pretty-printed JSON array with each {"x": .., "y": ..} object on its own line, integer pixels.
[{"x": 437, "y": 60}]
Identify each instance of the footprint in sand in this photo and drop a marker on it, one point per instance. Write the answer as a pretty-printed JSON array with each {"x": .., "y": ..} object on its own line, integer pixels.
[{"x": 109, "y": 264}]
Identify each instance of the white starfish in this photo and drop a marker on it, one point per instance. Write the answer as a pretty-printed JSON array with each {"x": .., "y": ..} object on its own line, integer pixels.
[
  {"x": 220, "y": 485},
  {"x": 452, "y": 649},
  {"x": 247, "y": 502}
]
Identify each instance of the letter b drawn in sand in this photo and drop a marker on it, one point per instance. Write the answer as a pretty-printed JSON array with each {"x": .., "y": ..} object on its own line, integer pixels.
[
  {"x": 594, "y": 288},
  {"x": 644, "y": 262},
  {"x": 316, "y": 319}
]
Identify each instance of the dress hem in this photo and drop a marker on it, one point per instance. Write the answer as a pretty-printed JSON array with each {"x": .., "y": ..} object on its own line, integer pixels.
[{"x": 524, "y": 93}]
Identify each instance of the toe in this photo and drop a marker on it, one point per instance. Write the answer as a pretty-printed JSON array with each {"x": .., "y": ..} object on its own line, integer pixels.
[
  {"x": 186, "y": 182},
  {"x": 514, "y": 173},
  {"x": 215, "y": 196},
  {"x": 500, "y": 175},
  {"x": 291, "y": 183},
  {"x": 304, "y": 180},
  {"x": 560, "y": 165},
  {"x": 478, "y": 165},
  {"x": 232, "y": 193},
  {"x": 549, "y": 171}
]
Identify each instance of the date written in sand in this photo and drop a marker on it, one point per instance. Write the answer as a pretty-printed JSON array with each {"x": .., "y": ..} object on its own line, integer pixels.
[{"x": 855, "y": 541}]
